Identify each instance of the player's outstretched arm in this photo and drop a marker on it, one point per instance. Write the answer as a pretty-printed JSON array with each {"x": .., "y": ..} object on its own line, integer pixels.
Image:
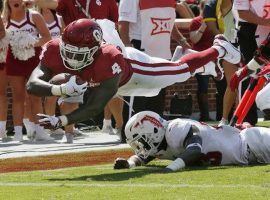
[
  {"x": 38, "y": 82},
  {"x": 96, "y": 101},
  {"x": 191, "y": 154},
  {"x": 133, "y": 161},
  {"x": 97, "y": 98}
]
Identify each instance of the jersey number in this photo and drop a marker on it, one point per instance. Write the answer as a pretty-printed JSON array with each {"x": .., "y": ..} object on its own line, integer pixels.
[{"x": 116, "y": 69}]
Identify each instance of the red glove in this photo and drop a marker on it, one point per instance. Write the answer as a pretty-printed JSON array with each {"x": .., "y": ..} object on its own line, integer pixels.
[
  {"x": 265, "y": 72},
  {"x": 238, "y": 76}
]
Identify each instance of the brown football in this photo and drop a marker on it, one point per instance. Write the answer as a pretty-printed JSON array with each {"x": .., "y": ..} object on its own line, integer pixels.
[{"x": 63, "y": 78}]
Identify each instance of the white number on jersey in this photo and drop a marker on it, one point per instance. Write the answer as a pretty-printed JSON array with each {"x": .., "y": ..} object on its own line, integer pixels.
[{"x": 116, "y": 69}]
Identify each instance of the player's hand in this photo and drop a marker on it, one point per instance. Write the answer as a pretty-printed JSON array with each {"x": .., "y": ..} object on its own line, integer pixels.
[
  {"x": 120, "y": 163},
  {"x": 71, "y": 88},
  {"x": 243, "y": 125},
  {"x": 238, "y": 76},
  {"x": 265, "y": 72},
  {"x": 49, "y": 122}
]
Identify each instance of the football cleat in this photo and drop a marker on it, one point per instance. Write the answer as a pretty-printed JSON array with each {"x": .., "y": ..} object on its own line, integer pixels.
[
  {"x": 67, "y": 138},
  {"x": 18, "y": 137},
  {"x": 3, "y": 134},
  {"x": 107, "y": 129},
  {"x": 223, "y": 122},
  {"x": 231, "y": 54}
]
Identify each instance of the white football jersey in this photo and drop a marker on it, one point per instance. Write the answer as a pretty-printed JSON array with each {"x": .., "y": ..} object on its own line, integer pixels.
[{"x": 225, "y": 142}]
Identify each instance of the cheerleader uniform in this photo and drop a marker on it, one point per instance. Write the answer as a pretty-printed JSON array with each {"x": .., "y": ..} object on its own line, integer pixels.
[
  {"x": 14, "y": 66},
  {"x": 55, "y": 26}
]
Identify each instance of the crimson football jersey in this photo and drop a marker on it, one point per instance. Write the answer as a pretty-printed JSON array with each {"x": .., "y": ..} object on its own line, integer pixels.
[{"x": 108, "y": 63}]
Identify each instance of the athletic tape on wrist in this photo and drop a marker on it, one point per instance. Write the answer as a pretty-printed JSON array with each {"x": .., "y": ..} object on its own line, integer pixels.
[
  {"x": 56, "y": 90},
  {"x": 177, "y": 164}
]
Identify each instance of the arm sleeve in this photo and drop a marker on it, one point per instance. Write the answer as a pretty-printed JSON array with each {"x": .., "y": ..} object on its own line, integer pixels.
[{"x": 128, "y": 10}]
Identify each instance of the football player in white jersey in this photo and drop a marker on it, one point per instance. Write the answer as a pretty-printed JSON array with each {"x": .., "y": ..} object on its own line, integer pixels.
[{"x": 186, "y": 142}]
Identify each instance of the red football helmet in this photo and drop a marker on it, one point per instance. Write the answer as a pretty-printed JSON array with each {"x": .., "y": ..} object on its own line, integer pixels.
[{"x": 80, "y": 41}]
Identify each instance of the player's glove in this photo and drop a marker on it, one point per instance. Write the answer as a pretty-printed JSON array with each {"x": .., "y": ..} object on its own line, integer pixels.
[
  {"x": 238, "y": 76},
  {"x": 265, "y": 72},
  {"x": 120, "y": 163},
  {"x": 52, "y": 122},
  {"x": 71, "y": 88}
]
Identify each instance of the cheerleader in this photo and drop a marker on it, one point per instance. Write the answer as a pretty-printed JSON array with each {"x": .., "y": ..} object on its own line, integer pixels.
[
  {"x": 28, "y": 32},
  {"x": 3, "y": 78}
]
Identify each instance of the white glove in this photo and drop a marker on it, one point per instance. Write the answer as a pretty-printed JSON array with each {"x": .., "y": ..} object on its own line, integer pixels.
[
  {"x": 70, "y": 88},
  {"x": 52, "y": 122}
]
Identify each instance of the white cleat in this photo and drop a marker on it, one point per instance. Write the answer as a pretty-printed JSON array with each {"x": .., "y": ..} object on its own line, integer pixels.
[
  {"x": 3, "y": 134},
  {"x": 223, "y": 122},
  {"x": 107, "y": 129},
  {"x": 231, "y": 53},
  {"x": 77, "y": 132},
  {"x": 118, "y": 132},
  {"x": 18, "y": 137},
  {"x": 67, "y": 138}
]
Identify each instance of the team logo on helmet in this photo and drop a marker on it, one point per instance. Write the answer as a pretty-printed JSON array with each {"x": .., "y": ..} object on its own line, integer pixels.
[{"x": 97, "y": 35}]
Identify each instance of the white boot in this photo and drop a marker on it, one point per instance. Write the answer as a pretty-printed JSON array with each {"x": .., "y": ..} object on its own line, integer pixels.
[
  {"x": 3, "y": 133},
  {"x": 226, "y": 50},
  {"x": 107, "y": 126},
  {"x": 30, "y": 128},
  {"x": 67, "y": 138},
  {"x": 18, "y": 133},
  {"x": 41, "y": 134}
]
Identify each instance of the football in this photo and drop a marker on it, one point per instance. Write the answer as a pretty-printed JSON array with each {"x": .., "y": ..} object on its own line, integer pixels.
[{"x": 63, "y": 78}]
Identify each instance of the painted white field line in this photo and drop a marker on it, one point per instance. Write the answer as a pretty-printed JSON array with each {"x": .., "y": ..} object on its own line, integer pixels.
[{"x": 139, "y": 185}]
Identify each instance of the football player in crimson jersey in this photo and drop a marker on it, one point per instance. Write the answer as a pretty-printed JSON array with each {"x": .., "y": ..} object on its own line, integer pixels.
[
  {"x": 80, "y": 52},
  {"x": 188, "y": 142}
]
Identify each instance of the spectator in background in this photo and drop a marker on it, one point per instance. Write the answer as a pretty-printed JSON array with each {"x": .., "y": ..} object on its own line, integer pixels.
[
  {"x": 149, "y": 26},
  {"x": 183, "y": 10},
  {"x": 201, "y": 38},
  {"x": 105, "y": 9},
  {"x": 3, "y": 78},
  {"x": 22, "y": 58},
  {"x": 216, "y": 12},
  {"x": 76, "y": 9},
  {"x": 254, "y": 26}
]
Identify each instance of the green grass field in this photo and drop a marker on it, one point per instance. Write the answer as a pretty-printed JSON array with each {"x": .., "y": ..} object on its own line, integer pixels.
[{"x": 102, "y": 182}]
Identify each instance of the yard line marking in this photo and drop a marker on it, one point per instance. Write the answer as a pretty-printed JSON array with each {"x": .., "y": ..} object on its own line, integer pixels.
[{"x": 148, "y": 185}]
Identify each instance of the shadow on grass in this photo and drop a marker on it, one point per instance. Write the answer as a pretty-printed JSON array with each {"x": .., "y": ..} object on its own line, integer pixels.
[{"x": 126, "y": 174}]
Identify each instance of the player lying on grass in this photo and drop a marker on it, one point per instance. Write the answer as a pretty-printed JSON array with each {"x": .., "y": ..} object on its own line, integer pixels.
[
  {"x": 188, "y": 142},
  {"x": 81, "y": 51}
]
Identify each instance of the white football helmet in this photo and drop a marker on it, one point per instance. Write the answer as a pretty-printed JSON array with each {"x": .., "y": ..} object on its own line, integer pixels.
[{"x": 145, "y": 132}]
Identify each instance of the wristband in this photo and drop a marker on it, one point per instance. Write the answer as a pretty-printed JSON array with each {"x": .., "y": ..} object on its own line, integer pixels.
[
  {"x": 183, "y": 40},
  {"x": 131, "y": 163},
  {"x": 56, "y": 90},
  {"x": 176, "y": 164},
  {"x": 64, "y": 120}
]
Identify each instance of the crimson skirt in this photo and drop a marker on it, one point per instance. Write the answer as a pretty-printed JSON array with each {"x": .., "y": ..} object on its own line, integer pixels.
[{"x": 15, "y": 67}]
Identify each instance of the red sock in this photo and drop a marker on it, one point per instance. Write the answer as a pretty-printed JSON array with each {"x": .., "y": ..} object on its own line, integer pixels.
[{"x": 199, "y": 59}]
